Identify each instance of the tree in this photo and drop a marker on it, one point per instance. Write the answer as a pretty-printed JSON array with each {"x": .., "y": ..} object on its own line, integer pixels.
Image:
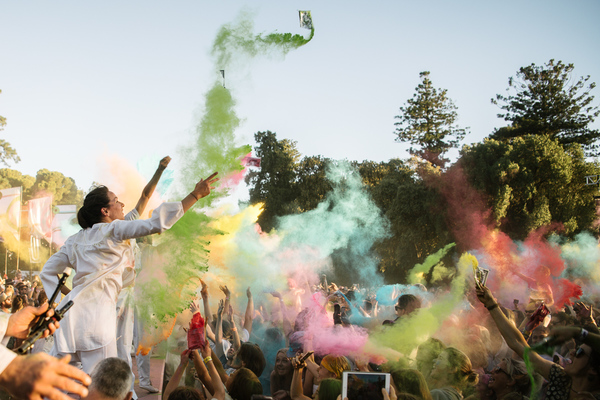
[
  {"x": 312, "y": 183},
  {"x": 418, "y": 221},
  {"x": 10, "y": 178},
  {"x": 545, "y": 100},
  {"x": 428, "y": 121},
  {"x": 6, "y": 151},
  {"x": 532, "y": 182},
  {"x": 274, "y": 184},
  {"x": 62, "y": 188}
]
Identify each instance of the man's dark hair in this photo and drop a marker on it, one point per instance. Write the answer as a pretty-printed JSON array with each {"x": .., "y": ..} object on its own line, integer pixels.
[
  {"x": 185, "y": 393},
  {"x": 244, "y": 383},
  {"x": 91, "y": 211},
  {"x": 112, "y": 378},
  {"x": 253, "y": 357},
  {"x": 407, "y": 299}
]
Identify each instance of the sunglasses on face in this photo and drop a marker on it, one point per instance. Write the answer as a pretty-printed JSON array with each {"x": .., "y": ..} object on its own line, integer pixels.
[
  {"x": 398, "y": 308},
  {"x": 497, "y": 370},
  {"x": 580, "y": 352}
]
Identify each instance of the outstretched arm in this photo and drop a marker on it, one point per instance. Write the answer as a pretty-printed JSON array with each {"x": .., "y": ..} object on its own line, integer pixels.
[
  {"x": 201, "y": 190},
  {"x": 151, "y": 185},
  {"x": 219, "y": 333},
  {"x": 204, "y": 294},
  {"x": 249, "y": 312},
  {"x": 514, "y": 339}
]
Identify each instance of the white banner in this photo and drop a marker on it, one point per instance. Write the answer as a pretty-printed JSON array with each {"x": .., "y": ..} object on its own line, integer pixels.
[{"x": 10, "y": 211}]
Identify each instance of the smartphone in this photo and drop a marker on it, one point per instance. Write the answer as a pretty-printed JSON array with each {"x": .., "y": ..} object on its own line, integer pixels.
[
  {"x": 481, "y": 275},
  {"x": 364, "y": 385}
]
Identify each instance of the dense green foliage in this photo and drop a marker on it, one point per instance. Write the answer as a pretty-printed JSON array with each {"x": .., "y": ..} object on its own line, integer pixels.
[
  {"x": 547, "y": 100},
  {"x": 427, "y": 121}
]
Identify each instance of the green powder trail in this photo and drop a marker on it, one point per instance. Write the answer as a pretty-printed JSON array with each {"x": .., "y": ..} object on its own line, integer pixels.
[
  {"x": 530, "y": 371},
  {"x": 182, "y": 256},
  {"x": 407, "y": 333},
  {"x": 415, "y": 275}
]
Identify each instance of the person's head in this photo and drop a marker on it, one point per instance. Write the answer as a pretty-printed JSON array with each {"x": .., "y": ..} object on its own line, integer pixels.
[
  {"x": 410, "y": 381},
  {"x": 329, "y": 389},
  {"x": 283, "y": 365},
  {"x": 242, "y": 384},
  {"x": 427, "y": 353},
  {"x": 111, "y": 379},
  {"x": 18, "y": 303},
  {"x": 510, "y": 376},
  {"x": 453, "y": 367},
  {"x": 585, "y": 363},
  {"x": 407, "y": 303},
  {"x": 185, "y": 393},
  {"x": 6, "y": 300},
  {"x": 333, "y": 367},
  {"x": 538, "y": 334},
  {"x": 42, "y": 297},
  {"x": 560, "y": 319},
  {"x": 100, "y": 205},
  {"x": 250, "y": 356}
]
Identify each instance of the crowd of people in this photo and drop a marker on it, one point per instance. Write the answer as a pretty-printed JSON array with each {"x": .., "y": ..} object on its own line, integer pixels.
[{"x": 292, "y": 344}]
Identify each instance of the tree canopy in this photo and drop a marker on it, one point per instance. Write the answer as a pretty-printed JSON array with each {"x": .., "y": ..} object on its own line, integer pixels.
[
  {"x": 427, "y": 121},
  {"x": 547, "y": 100},
  {"x": 532, "y": 182}
]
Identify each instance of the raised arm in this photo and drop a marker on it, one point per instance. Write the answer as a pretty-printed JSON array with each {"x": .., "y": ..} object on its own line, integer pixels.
[
  {"x": 219, "y": 389},
  {"x": 514, "y": 339},
  {"x": 202, "y": 371},
  {"x": 151, "y": 185},
  {"x": 248, "y": 317},
  {"x": 287, "y": 326},
  {"x": 174, "y": 382},
  {"x": 236, "y": 337},
  {"x": 296, "y": 387},
  {"x": 219, "y": 333},
  {"x": 204, "y": 294}
]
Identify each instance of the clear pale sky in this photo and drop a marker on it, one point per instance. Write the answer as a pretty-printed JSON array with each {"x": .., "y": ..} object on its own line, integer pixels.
[{"x": 82, "y": 79}]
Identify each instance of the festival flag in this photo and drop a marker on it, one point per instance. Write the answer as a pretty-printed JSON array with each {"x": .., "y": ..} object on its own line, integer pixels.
[
  {"x": 252, "y": 161},
  {"x": 64, "y": 223},
  {"x": 10, "y": 211},
  {"x": 40, "y": 217},
  {"x": 305, "y": 19}
]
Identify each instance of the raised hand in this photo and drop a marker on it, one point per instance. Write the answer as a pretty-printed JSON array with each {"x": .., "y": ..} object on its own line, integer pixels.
[
  {"x": 484, "y": 295},
  {"x": 164, "y": 162},
  {"x": 194, "y": 307},
  {"x": 225, "y": 291},
  {"x": 204, "y": 187}
]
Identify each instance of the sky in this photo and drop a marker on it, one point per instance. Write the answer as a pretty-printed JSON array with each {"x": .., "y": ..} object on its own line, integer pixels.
[{"x": 83, "y": 81}]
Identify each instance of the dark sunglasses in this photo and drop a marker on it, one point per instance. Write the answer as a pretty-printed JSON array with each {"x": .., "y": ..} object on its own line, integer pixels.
[
  {"x": 580, "y": 352},
  {"x": 497, "y": 370},
  {"x": 398, "y": 308}
]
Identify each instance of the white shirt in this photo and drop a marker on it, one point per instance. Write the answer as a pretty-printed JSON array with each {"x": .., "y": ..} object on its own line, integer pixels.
[
  {"x": 99, "y": 255},
  {"x": 6, "y": 356}
]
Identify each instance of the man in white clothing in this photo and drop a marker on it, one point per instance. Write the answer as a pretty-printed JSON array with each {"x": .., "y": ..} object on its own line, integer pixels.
[{"x": 99, "y": 254}]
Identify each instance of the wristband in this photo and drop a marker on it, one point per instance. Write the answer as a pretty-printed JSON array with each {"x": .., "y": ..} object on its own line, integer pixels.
[
  {"x": 490, "y": 308},
  {"x": 194, "y": 196},
  {"x": 207, "y": 359},
  {"x": 583, "y": 334}
]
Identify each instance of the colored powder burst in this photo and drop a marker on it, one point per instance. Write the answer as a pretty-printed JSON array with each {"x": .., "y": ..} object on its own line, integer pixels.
[
  {"x": 415, "y": 275},
  {"x": 408, "y": 332},
  {"x": 346, "y": 222},
  {"x": 582, "y": 256},
  {"x": 183, "y": 249},
  {"x": 236, "y": 43}
]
